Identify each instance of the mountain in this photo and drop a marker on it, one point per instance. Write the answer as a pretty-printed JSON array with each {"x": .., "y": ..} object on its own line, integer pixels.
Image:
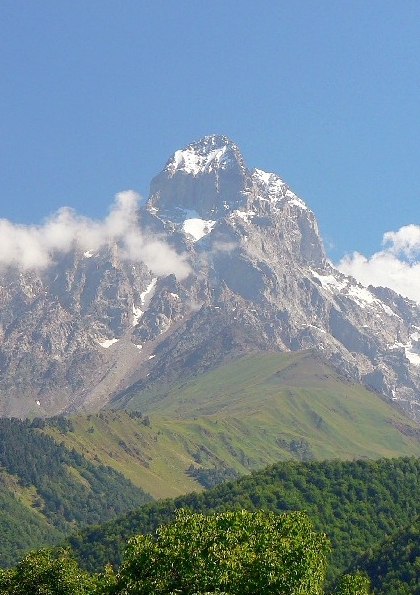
[{"x": 248, "y": 273}]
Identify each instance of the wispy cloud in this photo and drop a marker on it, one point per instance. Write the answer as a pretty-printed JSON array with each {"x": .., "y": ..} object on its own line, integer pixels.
[
  {"x": 395, "y": 266},
  {"x": 35, "y": 246}
]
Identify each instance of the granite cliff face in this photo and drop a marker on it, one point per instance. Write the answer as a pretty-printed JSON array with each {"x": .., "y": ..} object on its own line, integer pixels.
[{"x": 94, "y": 324}]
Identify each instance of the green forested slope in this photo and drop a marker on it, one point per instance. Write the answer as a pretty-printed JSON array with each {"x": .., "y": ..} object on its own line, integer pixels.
[
  {"x": 21, "y": 527},
  {"x": 47, "y": 490},
  {"x": 356, "y": 503},
  {"x": 393, "y": 566}
]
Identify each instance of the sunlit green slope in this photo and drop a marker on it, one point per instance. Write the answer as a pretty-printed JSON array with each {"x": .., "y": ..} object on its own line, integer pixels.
[{"x": 246, "y": 414}]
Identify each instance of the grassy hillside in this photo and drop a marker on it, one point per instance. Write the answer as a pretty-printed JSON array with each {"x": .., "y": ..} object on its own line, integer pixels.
[
  {"x": 146, "y": 452},
  {"x": 356, "y": 503},
  {"x": 296, "y": 393},
  {"x": 243, "y": 416}
]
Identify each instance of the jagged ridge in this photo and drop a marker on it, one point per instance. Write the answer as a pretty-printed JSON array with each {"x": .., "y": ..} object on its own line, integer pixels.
[{"x": 260, "y": 280}]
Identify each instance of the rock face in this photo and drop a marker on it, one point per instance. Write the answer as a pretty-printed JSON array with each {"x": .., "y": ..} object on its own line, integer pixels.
[{"x": 93, "y": 325}]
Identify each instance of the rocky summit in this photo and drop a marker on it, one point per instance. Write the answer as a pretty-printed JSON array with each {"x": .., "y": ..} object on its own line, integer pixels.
[{"x": 245, "y": 270}]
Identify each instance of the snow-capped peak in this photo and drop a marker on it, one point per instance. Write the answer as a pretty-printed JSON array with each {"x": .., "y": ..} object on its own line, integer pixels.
[
  {"x": 208, "y": 176},
  {"x": 274, "y": 188},
  {"x": 211, "y": 153}
]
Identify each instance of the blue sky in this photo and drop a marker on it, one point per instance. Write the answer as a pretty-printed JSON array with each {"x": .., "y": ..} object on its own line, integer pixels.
[{"x": 96, "y": 95}]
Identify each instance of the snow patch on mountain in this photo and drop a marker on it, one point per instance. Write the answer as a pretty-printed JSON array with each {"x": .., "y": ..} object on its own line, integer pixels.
[
  {"x": 274, "y": 189},
  {"x": 148, "y": 293},
  {"x": 271, "y": 186},
  {"x": 411, "y": 349},
  {"x": 108, "y": 342},
  {"x": 209, "y": 154},
  {"x": 295, "y": 200},
  {"x": 198, "y": 228},
  {"x": 189, "y": 162},
  {"x": 413, "y": 355},
  {"x": 245, "y": 215},
  {"x": 137, "y": 314},
  {"x": 263, "y": 176},
  {"x": 361, "y": 295},
  {"x": 145, "y": 298},
  {"x": 329, "y": 282},
  {"x": 348, "y": 286}
]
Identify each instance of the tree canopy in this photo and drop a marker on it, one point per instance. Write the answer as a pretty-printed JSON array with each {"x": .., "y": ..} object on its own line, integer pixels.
[
  {"x": 235, "y": 553},
  {"x": 238, "y": 552}
]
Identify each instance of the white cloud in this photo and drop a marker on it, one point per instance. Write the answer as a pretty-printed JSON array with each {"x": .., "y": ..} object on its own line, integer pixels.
[
  {"x": 395, "y": 266},
  {"x": 405, "y": 241},
  {"x": 34, "y": 246}
]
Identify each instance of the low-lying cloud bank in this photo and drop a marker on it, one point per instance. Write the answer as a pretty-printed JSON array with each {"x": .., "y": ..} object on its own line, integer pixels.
[
  {"x": 395, "y": 266},
  {"x": 34, "y": 246}
]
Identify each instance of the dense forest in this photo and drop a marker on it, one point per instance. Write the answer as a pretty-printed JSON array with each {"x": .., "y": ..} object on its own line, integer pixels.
[
  {"x": 230, "y": 553},
  {"x": 46, "y": 489},
  {"x": 394, "y": 566},
  {"x": 356, "y": 503}
]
